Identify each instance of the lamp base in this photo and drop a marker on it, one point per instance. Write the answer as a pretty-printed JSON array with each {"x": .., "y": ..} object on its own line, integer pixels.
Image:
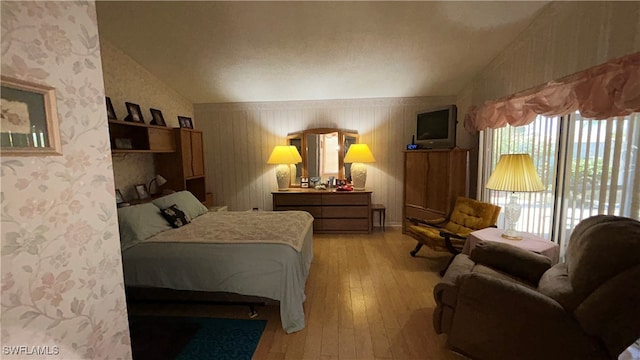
[
  {"x": 511, "y": 235},
  {"x": 358, "y": 176},
  {"x": 282, "y": 176}
]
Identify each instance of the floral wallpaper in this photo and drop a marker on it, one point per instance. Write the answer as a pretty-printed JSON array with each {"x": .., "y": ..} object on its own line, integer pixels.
[
  {"x": 62, "y": 283},
  {"x": 126, "y": 80}
]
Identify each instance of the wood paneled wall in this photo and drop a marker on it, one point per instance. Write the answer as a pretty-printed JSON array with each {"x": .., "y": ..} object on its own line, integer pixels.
[{"x": 239, "y": 137}]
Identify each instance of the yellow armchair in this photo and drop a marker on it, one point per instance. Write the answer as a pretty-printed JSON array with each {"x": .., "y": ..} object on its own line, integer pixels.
[{"x": 450, "y": 234}]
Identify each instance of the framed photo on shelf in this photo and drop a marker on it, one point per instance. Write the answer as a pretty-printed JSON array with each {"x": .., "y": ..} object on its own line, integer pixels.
[
  {"x": 29, "y": 122},
  {"x": 141, "y": 190},
  {"x": 123, "y": 143},
  {"x": 185, "y": 122},
  {"x": 157, "y": 118},
  {"x": 304, "y": 182},
  {"x": 135, "y": 114},
  {"x": 119, "y": 197},
  {"x": 111, "y": 113}
]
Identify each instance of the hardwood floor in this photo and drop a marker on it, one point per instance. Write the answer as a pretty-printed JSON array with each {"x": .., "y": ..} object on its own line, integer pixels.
[{"x": 367, "y": 298}]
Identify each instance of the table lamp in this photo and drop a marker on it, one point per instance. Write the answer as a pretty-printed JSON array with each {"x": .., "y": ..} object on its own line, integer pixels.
[
  {"x": 357, "y": 155},
  {"x": 294, "y": 167},
  {"x": 514, "y": 173},
  {"x": 159, "y": 180},
  {"x": 284, "y": 156}
]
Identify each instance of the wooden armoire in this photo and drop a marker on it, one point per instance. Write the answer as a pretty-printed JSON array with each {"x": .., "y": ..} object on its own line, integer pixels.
[
  {"x": 184, "y": 168},
  {"x": 433, "y": 179}
]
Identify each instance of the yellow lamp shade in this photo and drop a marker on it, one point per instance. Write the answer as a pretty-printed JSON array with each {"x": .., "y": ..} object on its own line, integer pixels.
[
  {"x": 283, "y": 154},
  {"x": 359, "y": 153},
  {"x": 296, "y": 153},
  {"x": 515, "y": 173}
]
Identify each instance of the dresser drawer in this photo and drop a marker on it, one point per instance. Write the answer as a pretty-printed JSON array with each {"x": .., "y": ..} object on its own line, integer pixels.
[
  {"x": 345, "y": 225},
  {"x": 297, "y": 199},
  {"x": 345, "y": 199},
  {"x": 345, "y": 211}
]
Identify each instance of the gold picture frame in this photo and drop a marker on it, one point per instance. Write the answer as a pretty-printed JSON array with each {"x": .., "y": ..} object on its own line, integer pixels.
[{"x": 29, "y": 119}]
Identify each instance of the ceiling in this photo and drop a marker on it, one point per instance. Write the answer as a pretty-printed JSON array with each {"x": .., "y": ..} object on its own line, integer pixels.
[{"x": 213, "y": 52}]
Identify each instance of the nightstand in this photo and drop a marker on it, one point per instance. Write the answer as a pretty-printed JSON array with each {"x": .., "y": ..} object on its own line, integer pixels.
[{"x": 529, "y": 242}]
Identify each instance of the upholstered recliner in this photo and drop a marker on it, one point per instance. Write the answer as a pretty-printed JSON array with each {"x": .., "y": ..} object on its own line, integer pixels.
[
  {"x": 503, "y": 302},
  {"x": 442, "y": 234}
]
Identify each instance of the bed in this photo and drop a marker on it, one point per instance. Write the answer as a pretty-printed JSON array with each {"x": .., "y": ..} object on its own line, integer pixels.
[{"x": 258, "y": 253}]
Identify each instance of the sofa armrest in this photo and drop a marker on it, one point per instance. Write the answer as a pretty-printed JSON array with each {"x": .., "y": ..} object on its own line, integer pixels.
[
  {"x": 497, "y": 319},
  {"x": 512, "y": 260}
]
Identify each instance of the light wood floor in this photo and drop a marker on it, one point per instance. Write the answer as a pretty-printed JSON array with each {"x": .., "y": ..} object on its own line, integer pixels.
[{"x": 367, "y": 298}]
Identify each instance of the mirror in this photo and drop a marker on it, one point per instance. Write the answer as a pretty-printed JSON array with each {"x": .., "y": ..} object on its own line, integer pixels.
[{"x": 322, "y": 152}]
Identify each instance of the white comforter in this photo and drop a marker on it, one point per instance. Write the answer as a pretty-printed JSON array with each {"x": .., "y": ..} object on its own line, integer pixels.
[{"x": 274, "y": 270}]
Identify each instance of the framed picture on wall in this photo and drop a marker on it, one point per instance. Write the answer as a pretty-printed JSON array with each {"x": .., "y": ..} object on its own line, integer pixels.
[{"x": 29, "y": 120}]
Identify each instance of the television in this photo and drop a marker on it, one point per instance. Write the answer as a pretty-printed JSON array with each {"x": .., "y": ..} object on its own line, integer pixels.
[{"x": 436, "y": 128}]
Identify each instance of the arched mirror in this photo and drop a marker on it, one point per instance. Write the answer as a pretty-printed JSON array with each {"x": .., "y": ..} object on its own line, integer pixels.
[{"x": 322, "y": 152}]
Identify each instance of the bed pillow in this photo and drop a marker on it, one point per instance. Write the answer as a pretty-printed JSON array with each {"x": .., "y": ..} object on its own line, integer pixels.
[
  {"x": 139, "y": 222},
  {"x": 185, "y": 201},
  {"x": 175, "y": 216}
]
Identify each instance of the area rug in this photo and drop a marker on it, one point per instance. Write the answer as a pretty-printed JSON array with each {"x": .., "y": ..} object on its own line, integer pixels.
[{"x": 184, "y": 338}]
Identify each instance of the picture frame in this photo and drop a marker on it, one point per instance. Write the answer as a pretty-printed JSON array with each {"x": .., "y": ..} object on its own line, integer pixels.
[
  {"x": 185, "y": 122},
  {"x": 135, "y": 114},
  {"x": 29, "y": 119},
  {"x": 111, "y": 113},
  {"x": 304, "y": 182},
  {"x": 141, "y": 190},
  {"x": 157, "y": 118},
  {"x": 123, "y": 143},
  {"x": 119, "y": 197}
]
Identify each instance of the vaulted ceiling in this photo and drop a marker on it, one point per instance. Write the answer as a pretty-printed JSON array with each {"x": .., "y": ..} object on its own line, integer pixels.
[{"x": 212, "y": 52}]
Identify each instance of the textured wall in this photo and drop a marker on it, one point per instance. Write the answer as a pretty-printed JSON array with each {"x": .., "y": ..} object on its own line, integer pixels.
[
  {"x": 239, "y": 137},
  {"x": 62, "y": 282},
  {"x": 126, "y": 80}
]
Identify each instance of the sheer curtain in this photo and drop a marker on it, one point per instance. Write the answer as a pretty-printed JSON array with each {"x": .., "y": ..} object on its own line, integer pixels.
[
  {"x": 602, "y": 175},
  {"x": 589, "y": 167}
]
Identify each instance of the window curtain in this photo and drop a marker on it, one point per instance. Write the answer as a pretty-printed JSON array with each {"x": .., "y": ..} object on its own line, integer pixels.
[{"x": 601, "y": 92}]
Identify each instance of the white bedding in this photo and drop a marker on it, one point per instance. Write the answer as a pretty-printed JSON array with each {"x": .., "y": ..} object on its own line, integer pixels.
[{"x": 272, "y": 270}]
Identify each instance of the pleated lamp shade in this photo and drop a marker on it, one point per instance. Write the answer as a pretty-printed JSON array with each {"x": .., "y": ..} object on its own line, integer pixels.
[{"x": 515, "y": 173}]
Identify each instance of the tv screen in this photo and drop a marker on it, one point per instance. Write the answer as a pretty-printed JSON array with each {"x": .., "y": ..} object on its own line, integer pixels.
[
  {"x": 433, "y": 125},
  {"x": 437, "y": 128}
]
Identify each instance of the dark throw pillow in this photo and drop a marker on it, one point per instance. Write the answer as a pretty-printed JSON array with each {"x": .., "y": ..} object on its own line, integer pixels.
[{"x": 175, "y": 216}]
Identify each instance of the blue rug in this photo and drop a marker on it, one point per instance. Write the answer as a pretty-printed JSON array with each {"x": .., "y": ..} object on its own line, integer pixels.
[{"x": 182, "y": 338}]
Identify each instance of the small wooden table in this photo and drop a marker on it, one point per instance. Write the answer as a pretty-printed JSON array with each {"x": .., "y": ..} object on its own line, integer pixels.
[{"x": 529, "y": 242}]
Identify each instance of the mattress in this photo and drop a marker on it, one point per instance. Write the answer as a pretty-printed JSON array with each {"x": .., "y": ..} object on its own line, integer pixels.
[{"x": 273, "y": 270}]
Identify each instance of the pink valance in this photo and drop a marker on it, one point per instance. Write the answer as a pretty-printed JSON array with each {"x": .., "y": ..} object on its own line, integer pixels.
[{"x": 601, "y": 92}]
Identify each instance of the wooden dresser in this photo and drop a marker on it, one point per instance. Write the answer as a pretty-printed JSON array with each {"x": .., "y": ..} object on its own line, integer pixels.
[{"x": 333, "y": 211}]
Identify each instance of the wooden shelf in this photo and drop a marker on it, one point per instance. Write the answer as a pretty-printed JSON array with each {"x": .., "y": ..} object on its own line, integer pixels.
[{"x": 143, "y": 138}]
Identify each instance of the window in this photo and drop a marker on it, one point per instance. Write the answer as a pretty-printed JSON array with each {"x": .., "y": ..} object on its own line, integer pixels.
[{"x": 589, "y": 167}]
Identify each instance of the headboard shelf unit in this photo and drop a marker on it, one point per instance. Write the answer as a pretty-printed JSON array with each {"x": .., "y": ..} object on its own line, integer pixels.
[
  {"x": 178, "y": 153},
  {"x": 132, "y": 137}
]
